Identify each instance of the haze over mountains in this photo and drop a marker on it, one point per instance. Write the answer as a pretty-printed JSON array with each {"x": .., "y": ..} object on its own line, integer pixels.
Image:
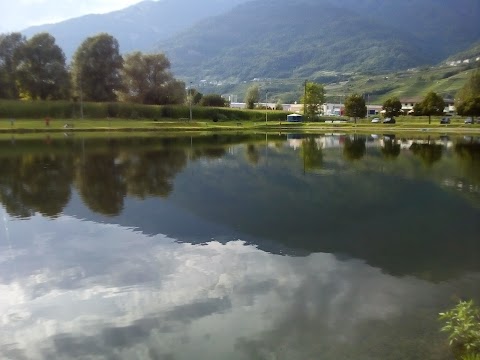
[{"x": 239, "y": 40}]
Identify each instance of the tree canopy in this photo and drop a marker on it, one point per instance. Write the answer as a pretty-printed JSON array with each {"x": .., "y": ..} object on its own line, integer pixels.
[
  {"x": 41, "y": 71},
  {"x": 471, "y": 88},
  {"x": 355, "y": 106},
  {"x": 10, "y": 51},
  {"x": 469, "y": 107},
  {"x": 432, "y": 104},
  {"x": 96, "y": 68},
  {"x": 146, "y": 79},
  {"x": 392, "y": 107},
  {"x": 468, "y": 97},
  {"x": 313, "y": 98},
  {"x": 252, "y": 96}
]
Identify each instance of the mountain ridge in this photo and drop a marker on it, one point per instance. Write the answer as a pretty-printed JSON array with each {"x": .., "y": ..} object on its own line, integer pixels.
[
  {"x": 238, "y": 40},
  {"x": 137, "y": 27}
]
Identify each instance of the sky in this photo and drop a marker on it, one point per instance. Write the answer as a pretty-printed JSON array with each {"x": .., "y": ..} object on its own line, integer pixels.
[{"x": 16, "y": 15}]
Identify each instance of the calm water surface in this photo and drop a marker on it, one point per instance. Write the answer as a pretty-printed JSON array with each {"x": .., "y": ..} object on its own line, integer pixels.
[{"x": 235, "y": 247}]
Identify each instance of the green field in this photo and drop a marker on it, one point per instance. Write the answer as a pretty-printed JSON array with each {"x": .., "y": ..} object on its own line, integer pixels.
[{"x": 405, "y": 123}]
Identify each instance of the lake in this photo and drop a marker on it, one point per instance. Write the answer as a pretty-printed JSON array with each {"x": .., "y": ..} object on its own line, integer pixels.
[{"x": 235, "y": 246}]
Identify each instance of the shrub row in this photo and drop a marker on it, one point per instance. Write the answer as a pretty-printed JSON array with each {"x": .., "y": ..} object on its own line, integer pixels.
[{"x": 11, "y": 109}]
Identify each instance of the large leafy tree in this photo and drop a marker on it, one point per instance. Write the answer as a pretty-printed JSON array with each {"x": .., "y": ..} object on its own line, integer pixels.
[
  {"x": 470, "y": 89},
  {"x": 432, "y": 104},
  {"x": 252, "y": 96},
  {"x": 146, "y": 79},
  {"x": 96, "y": 68},
  {"x": 10, "y": 50},
  {"x": 392, "y": 107},
  {"x": 42, "y": 72},
  {"x": 470, "y": 106},
  {"x": 313, "y": 98},
  {"x": 355, "y": 107},
  {"x": 468, "y": 97}
]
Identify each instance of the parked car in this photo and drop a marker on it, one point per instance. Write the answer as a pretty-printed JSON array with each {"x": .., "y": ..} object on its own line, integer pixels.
[
  {"x": 468, "y": 120},
  {"x": 445, "y": 120},
  {"x": 375, "y": 120},
  {"x": 389, "y": 120}
]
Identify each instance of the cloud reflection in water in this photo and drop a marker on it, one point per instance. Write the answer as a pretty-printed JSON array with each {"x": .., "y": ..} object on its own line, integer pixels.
[{"x": 73, "y": 289}]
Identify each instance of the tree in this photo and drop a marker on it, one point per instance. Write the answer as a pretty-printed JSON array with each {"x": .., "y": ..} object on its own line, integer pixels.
[
  {"x": 146, "y": 79},
  {"x": 392, "y": 107},
  {"x": 432, "y": 104},
  {"x": 468, "y": 97},
  {"x": 96, "y": 68},
  {"x": 470, "y": 89},
  {"x": 41, "y": 71},
  {"x": 355, "y": 107},
  {"x": 469, "y": 107},
  {"x": 213, "y": 100},
  {"x": 252, "y": 97},
  {"x": 195, "y": 95},
  {"x": 10, "y": 49},
  {"x": 313, "y": 98}
]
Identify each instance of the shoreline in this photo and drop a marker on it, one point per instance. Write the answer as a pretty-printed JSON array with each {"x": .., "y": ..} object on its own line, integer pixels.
[{"x": 126, "y": 126}]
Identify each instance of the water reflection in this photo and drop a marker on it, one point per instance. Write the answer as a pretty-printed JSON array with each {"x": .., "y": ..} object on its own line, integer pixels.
[
  {"x": 115, "y": 293},
  {"x": 38, "y": 176},
  {"x": 235, "y": 246}
]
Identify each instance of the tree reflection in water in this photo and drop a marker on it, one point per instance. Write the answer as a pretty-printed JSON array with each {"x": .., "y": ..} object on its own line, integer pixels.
[{"x": 355, "y": 148}]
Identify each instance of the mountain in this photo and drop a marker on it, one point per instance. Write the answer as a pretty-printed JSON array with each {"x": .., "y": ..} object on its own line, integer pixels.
[
  {"x": 138, "y": 27},
  {"x": 284, "y": 38},
  {"x": 441, "y": 27},
  {"x": 471, "y": 54},
  {"x": 238, "y": 40}
]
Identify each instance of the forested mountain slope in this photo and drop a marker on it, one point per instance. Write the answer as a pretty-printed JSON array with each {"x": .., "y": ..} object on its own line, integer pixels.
[
  {"x": 138, "y": 27},
  {"x": 281, "y": 38}
]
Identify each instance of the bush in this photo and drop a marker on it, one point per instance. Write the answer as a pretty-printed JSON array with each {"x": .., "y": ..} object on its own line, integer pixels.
[
  {"x": 463, "y": 324},
  {"x": 70, "y": 109}
]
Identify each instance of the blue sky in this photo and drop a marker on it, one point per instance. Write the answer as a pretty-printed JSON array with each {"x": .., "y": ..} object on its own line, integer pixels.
[{"x": 17, "y": 15}]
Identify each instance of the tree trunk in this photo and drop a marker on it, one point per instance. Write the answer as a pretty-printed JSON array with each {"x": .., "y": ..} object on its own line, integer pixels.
[{"x": 429, "y": 119}]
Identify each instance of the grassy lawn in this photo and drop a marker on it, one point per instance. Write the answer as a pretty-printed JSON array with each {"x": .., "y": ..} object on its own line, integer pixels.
[{"x": 406, "y": 123}]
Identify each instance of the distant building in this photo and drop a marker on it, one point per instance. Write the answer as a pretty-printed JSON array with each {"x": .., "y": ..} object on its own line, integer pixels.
[
  {"x": 333, "y": 109},
  {"x": 373, "y": 110},
  {"x": 231, "y": 97},
  {"x": 294, "y": 108},
  {"x": 409, "y": 103},
  {"x": 238, "y": 105}
]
